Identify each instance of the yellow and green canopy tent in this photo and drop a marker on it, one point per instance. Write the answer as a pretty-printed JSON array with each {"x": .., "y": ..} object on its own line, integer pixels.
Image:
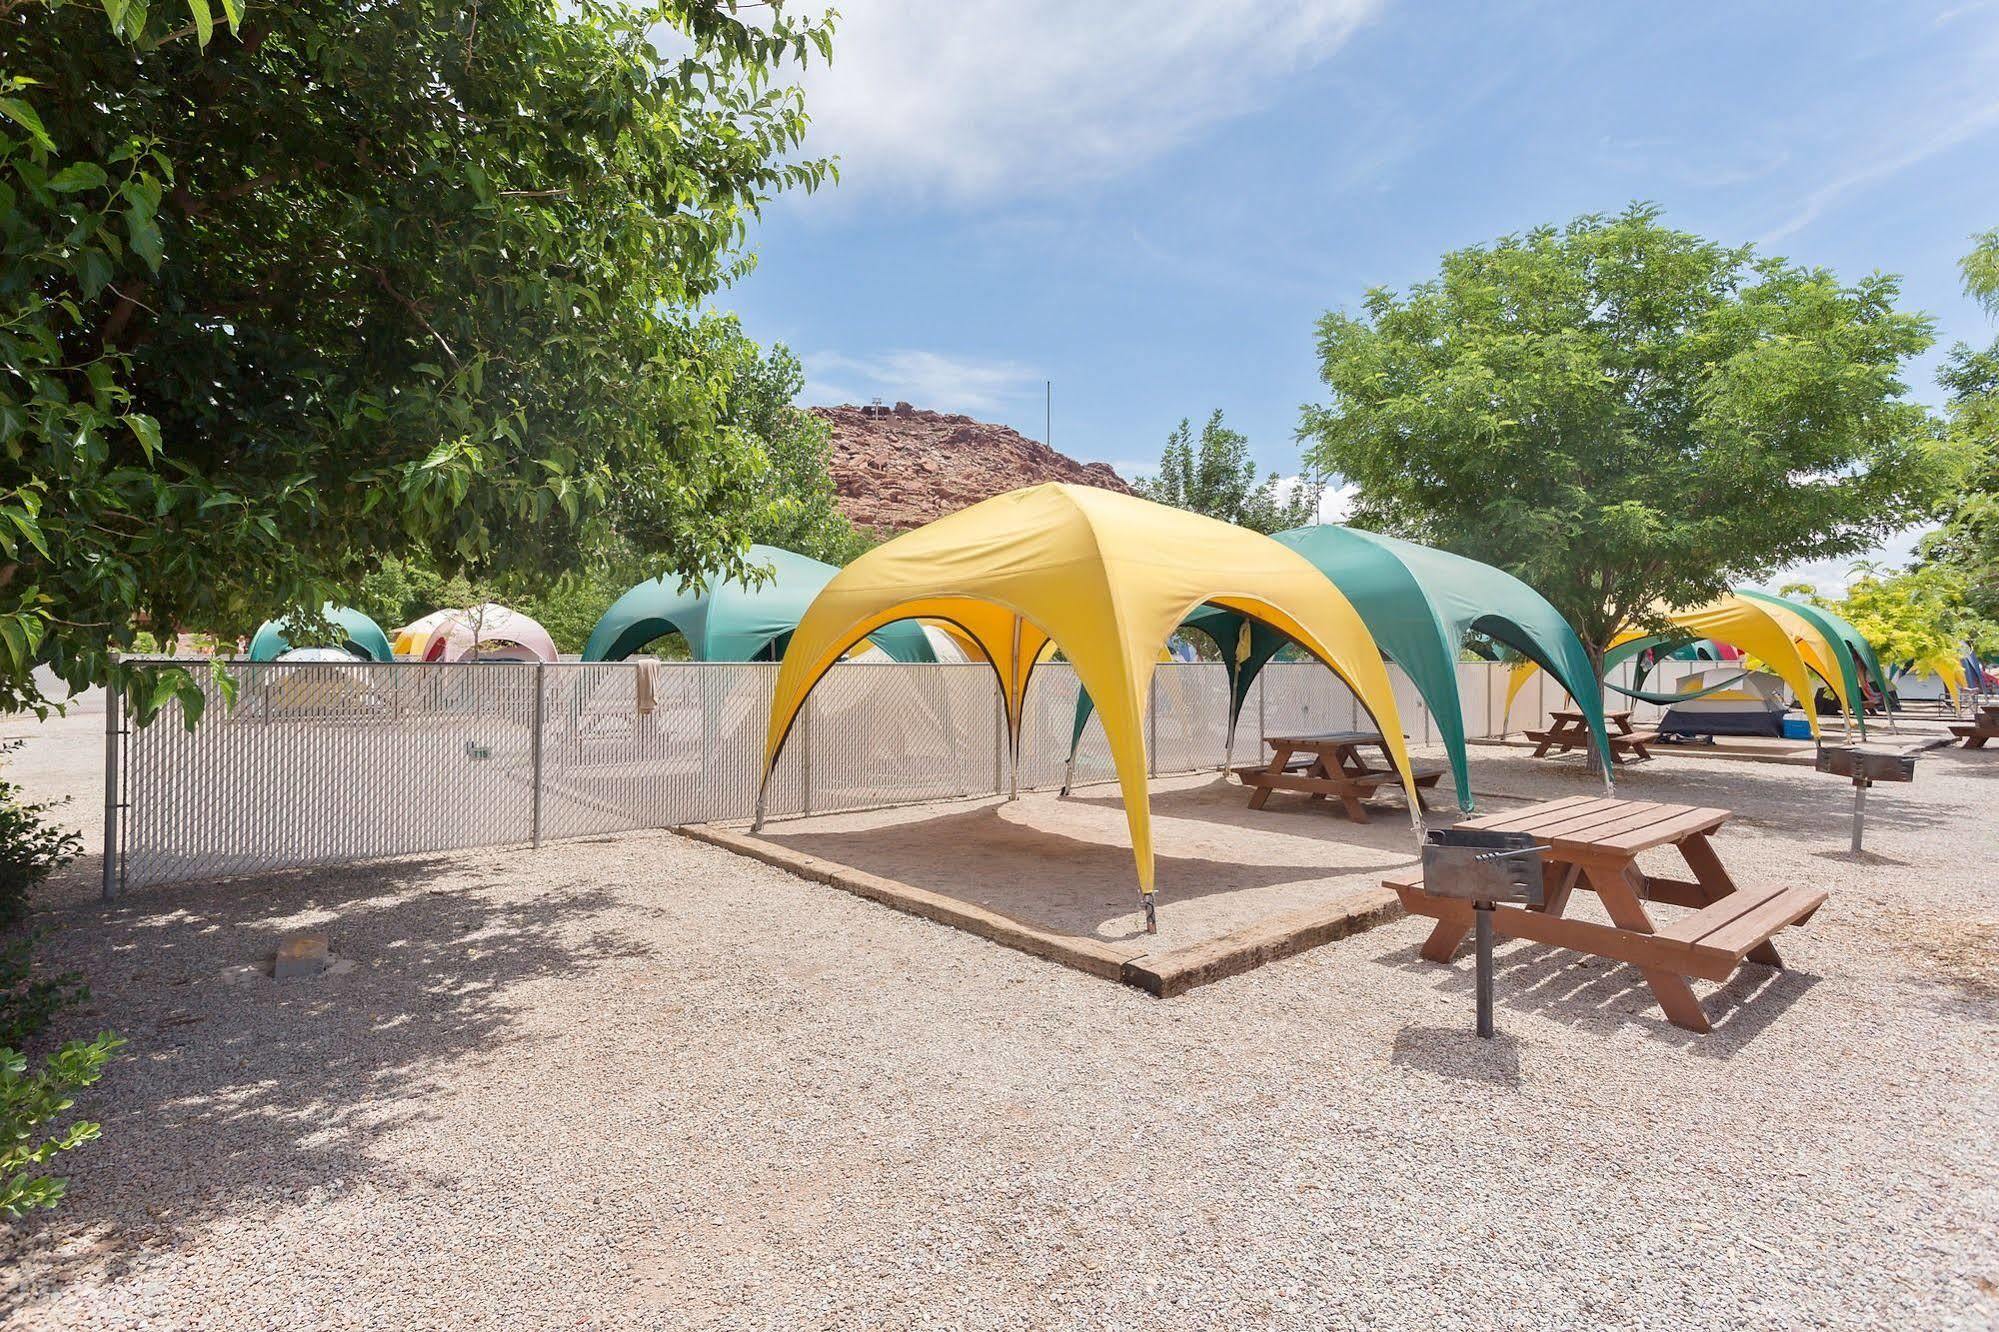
[
  {"x": 1783, "y": 640},
  {"x": 1106, "y": 579},
  {"x": 1420, "y": 604}
]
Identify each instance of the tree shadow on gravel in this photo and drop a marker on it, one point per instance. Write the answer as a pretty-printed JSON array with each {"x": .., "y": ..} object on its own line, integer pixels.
[
  {"x": 1600, "y": 995},
  {"x": 239, "y": 1095}
]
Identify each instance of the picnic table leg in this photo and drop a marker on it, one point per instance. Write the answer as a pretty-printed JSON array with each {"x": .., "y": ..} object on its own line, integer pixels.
[
  {"x": 1617, "y": 888},
  {"x": 1280, "y": 756},
  {"x": 1447, "y": 934},
  {"x": 1716, "y": 883}
]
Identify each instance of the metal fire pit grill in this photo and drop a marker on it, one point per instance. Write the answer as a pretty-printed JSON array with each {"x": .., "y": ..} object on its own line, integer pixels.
[{"x": 1483, "y": 868}]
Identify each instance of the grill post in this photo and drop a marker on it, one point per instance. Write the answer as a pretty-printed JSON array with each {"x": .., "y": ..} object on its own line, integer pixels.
[
  {"x": 1482, "y": 916},
  {"x": 113, "y": 735},
  {"x": 534, "y": 746}
]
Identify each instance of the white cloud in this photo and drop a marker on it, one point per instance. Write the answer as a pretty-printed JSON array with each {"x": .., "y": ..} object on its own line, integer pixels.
[
  {"x": 979, "y": 98},
  {"x": 1335, "y": 498},
  {"x": 927, "y": 379},
  {"x": 1830, "y": 577}
]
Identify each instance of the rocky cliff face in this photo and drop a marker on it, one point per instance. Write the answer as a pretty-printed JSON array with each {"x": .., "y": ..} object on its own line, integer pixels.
[{"x": 898, "y": 467}]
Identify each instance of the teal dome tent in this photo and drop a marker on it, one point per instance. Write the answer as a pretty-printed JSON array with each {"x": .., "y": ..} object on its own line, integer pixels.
[
  {"x": 1419, "y": 603},
  {"x": 360, "y": 636},
  {"x": 731, "y": 620}
]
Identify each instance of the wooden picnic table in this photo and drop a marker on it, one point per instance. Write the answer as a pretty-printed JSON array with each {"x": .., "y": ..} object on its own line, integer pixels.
[
  {"x": 1332, "y": 764},
  {"x": 1570, "y": 730},
  {"x": 1983, "y": 727},
  {"x": 1595, "y": 844}
]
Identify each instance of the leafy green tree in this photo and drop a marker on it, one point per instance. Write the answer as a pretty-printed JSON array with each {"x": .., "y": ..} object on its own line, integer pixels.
[
  {"x": 1626, "y": 415},
  {"x": 285, "y": 287},
  {"x": 1919, "y": 615},
  {"x": 804, "y": 515},
  {"x": 1968, "y": 541},
  {"x": 1216, "y": 476}
]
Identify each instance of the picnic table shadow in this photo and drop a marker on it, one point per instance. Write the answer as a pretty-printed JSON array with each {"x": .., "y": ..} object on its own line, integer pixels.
[
  {"x": 1604, "y": 996},
  {"x": 279, "y": 1089},
  {"x": 1080, "y": 885}
]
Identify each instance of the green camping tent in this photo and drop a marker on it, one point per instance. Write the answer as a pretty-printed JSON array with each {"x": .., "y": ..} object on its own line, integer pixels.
[
  {"x": 731, "y": 620},
  {"x": 1419, "y": 603},
  {"x": 359, "y": 635}
]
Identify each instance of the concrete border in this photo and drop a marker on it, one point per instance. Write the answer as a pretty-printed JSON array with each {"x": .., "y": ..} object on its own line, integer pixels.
[{"x": 1160, "y": 974}]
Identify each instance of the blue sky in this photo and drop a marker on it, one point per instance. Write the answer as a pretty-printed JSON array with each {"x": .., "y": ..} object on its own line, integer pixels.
[{"x": 1150, "y": 203}]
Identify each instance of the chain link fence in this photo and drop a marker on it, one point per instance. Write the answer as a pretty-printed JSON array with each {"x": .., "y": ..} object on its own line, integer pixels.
[{"x": 325, "y": 763}]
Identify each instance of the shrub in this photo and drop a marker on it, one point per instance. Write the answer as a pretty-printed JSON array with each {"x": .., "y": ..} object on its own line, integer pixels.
[
  {"x": 31, "y": 848},
  {"x": 28, "y": 1101}
]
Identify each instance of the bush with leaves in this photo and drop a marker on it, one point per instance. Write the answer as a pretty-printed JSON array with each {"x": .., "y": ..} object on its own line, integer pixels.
[
  {"x": 31, "y": 1104},
  {"x": 32, "y": 1101},
  {"x": 31, "y": 848}
]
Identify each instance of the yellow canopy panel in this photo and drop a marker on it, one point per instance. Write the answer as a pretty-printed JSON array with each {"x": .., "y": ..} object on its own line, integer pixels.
[
  {"x": 1105, "y": 577},
  {"x": 1742, "y": 623}
]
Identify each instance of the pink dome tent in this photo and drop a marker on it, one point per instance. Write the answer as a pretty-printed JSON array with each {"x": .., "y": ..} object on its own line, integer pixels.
[{"x": 487, "y": 632}]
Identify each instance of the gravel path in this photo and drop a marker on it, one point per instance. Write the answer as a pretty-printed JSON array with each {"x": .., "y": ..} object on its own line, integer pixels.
[{"x": 638, "y": 1082}]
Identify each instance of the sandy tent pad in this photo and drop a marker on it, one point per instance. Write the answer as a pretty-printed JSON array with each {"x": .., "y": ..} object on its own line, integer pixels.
[{"x": 1052, "y": 874}]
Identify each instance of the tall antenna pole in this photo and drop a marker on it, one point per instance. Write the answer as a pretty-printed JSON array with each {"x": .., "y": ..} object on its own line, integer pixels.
[{"x": 1048, "y": 412}]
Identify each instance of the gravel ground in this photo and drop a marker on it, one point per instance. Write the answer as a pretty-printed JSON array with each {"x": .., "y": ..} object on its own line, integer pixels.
[{"x": 638, "y": 1082}]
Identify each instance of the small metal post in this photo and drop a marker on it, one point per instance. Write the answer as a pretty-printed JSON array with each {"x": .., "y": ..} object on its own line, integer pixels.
[
  {"x": 1151, "y": 912},
  {"x": 534, "y": 748},
  {"x": 113, "y": 735},
  {"x": 999, "y": 735},
  {"x": 1482, "y": 918},
  {"x": 805, "y": 756},
  {"x": 1152, "y": 726},
  {"x": 1860, "y": 785}
]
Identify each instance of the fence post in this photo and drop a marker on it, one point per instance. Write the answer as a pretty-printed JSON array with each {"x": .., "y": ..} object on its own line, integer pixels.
[
  {"x": 114, "y": 697},
  {"x": 805, "y": 711},
  {"x": 1152, "y": 726},
  {"x": 999, "y": 735},
  {"x": 534, "y": 746},
  {"x": 1262, "y": 724}
]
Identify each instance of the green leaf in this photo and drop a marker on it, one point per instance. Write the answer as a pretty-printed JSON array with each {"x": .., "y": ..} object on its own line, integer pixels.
[
  {"x": 204, "y": 21},
  {"x": 148, "y": 432},
  {"x": 24, "y": 115},
  {"x": 232, "y": 10},
  {"x": 78, "y": 176}
]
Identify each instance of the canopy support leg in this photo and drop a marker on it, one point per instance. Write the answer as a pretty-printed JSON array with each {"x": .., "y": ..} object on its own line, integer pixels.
[
  {"x": 1151, "y": 912},
  {"x": 1069, "y": 771},
  {"x": 763, "y": 791}
]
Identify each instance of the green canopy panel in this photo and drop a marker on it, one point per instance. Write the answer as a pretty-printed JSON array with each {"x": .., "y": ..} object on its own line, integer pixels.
[
  {"x": 360, "y": 636},
  {"x": 1418, "y": 603},
  {"x": 732, "y": 620}
]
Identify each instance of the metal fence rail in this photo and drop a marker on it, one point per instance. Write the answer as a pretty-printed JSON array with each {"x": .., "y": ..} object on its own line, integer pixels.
[{"x": 327, "y": 763}]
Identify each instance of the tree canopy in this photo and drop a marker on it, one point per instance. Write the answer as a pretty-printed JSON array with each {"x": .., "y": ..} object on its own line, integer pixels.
[
  {"x": 1914, "y": 616},
  {"x": 1968, "y": 541},
  {"x": 1216, "y": 476},
  {"x": 1624, "y": 414},
  {"x": 289, "y": 287}
]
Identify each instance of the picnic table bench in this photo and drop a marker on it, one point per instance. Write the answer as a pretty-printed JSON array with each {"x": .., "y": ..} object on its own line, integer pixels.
[
  {"x": 1983, "y": 727},
  {"x": 1595, "y": 844},
  {"x": 1330, "y": 764},
  {"x": 1570, "y": 730}
]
